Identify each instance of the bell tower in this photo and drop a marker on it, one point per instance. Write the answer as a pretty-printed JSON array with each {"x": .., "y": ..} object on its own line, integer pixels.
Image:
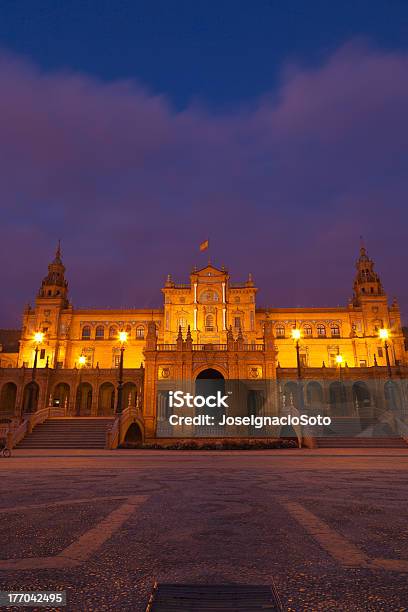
[
  {"x": 54, "y": 285},
  {"x": 50, "y": 316},
  {"x": 367, "y": 284}
]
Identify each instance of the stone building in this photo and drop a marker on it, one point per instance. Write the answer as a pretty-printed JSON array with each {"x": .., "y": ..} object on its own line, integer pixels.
[{"x": 210, "y": 325}]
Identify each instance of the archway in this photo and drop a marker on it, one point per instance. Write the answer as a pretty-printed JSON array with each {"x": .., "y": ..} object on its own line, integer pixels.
[
  {"x": 60, "y": 397},
  {"x": 129, "y": 394},
  {"x": 8, "y": 399},
  {"x": 314, "y": 396},
  {"x": 134, "y": 436},
  {"x": 209, "y": 382},
  {"x": 106, "y": 399},
  {"x": 30, "y": 397},
  {"x": 83, "y": 402},
  {"x": 392, "y": 396},
  {"x": 338, "y": 399}
]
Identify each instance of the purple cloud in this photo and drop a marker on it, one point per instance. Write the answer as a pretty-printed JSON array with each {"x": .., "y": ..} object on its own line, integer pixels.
[{"x": 131, "y": 186}]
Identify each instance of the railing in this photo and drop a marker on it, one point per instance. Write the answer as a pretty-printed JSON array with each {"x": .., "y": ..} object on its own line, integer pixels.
[
  {"x": 254, "y": 347},
  {"x": 166, "y": 347},
  {"x": 19, "y": 432},
  {"x": 116, "y": 433},
  {"x": 209, "y": 347}
]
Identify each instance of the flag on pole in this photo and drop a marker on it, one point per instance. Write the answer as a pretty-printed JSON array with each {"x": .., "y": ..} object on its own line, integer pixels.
[{"x": 204, "y": 245}]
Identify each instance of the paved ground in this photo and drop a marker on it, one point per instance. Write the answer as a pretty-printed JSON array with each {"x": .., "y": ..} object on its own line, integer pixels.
[{"x": 330, "y": 527}]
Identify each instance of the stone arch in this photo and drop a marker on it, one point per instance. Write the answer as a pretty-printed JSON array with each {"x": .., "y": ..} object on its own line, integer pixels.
[
  {"x": 338, "y": 399},
  {"x": 392, "y": 396},
  {"x": 106, "y": 399},
  {"x": 60, "y": 395},
  {"x": 31, "y": 396},
  {"x": 314, "y": 395},
  {"x": 83, "y": 403},
  {"x": 209, "y": 381},
  {"x": 8, "y": 399},
  {"x": 361, "y": 394},
  {"x": 134, "y": 435},
  {"x": 129, "y": 394},
  {"x": 219, "y": 371}
]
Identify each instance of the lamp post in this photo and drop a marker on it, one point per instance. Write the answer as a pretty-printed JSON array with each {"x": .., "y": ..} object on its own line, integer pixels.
[
  {"x": 296, "y": 335},
  {"x": 81, "y": 363},
  {"x": 122, "y": 339},
  {"x": 38, "y": 339},
  {"x": 384, "y": 335}
]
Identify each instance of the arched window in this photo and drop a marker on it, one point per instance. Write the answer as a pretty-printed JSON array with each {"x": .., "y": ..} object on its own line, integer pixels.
[
  {"x": 335, "y": 330},
  {"x": 280, "y": 331},
  {"x": 209, "y": 323},
  {"x": 113, "y": 332},
  {"x": 100, "y": 332},
  {"x": 86, "y": 332},
  {"x": 140, "y": 332},
  {"x": 307, "y": 330},
  {"x": 321, "y": 330},
  {"x": 182, "y": 322}
]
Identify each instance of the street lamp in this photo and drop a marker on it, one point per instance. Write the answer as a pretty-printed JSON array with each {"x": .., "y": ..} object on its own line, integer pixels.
[
  {"x": 296, "y": 335},
  {"x": 38, "y": 339},
  {"x": 384, "y": 335},
  {"x": 123, "y": 336},
  {"x": 339, "y": 361}
]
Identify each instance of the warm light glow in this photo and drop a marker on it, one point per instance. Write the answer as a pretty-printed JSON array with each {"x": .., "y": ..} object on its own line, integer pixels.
[
  {"x": 123, "y": 336},
  {"x": 383, "y": 334},
  {"x": 38, "y": 337},
  {"x": 81, "y": 360},
  {"x": 339, "y": 359},
  {"x": 296, "y": 334}
]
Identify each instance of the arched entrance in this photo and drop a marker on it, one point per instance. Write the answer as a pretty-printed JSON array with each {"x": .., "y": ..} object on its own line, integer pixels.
[
  {"x": 30, "y": 397},
  {"x": 338, "y": 399},
  {"x": 106, "y": 399},
  {"x": 209, "y": 382},
  {"x": 314, "y": 396},
  {"x": 134, "y": 436},
  {"x": 60, "y": 397},
  {"x": 8, "y": 400},
  {"x": 83, "y": 402}
]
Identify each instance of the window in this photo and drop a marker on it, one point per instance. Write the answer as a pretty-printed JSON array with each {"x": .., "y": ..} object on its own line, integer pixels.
[
  {"x": 100, "y": 332},
  {"x": 380, "y": 351},
  {"x": 59, "y": 364},
  {"x": 209, "y": 323},
  {"x": 182, "y": 322},
  {"x": 237, "y": 322},
  {"x": 113, "y": 332},
  {"x": 45, "y": 329},
  {"x": 140, "y": 332},
  {"x": 252, "y": 318},
  {"x": 116, "y": 361},
  {"x": 280, "y": 331},
  {"x": 307, "y": 330},
  {"x": 42, "y": 354},
  {"x": 321, "y": 331},
  {"x": 86, "y": 332},
  {"x": 363, "y": 363},
  {"x": 335, "y": 330},
  {"x": 303, "y": 360},
  {"x": 333, "y": 359}
]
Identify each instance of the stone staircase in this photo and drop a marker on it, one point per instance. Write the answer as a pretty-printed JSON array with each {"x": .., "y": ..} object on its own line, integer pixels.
[
  {"x": 345, "y": 434},
  {"x": 83, "y": 432},
  {"x": 337, "y": 442}
]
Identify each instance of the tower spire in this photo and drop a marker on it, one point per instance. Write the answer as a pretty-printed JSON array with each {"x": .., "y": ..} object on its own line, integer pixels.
[{"x": 367, "y": 283}]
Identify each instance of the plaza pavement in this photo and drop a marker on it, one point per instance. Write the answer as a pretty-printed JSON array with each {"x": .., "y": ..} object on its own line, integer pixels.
[{"x": 328, "y": 526}]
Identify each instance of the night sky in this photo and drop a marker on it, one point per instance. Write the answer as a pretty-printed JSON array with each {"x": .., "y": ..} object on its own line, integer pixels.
[{"x": 135, "y": 130}]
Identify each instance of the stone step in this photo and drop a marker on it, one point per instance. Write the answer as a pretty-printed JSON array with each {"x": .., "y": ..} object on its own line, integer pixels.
[
  {"x": 68, "y": 433},
  {"x": 337, "y": 442}
]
